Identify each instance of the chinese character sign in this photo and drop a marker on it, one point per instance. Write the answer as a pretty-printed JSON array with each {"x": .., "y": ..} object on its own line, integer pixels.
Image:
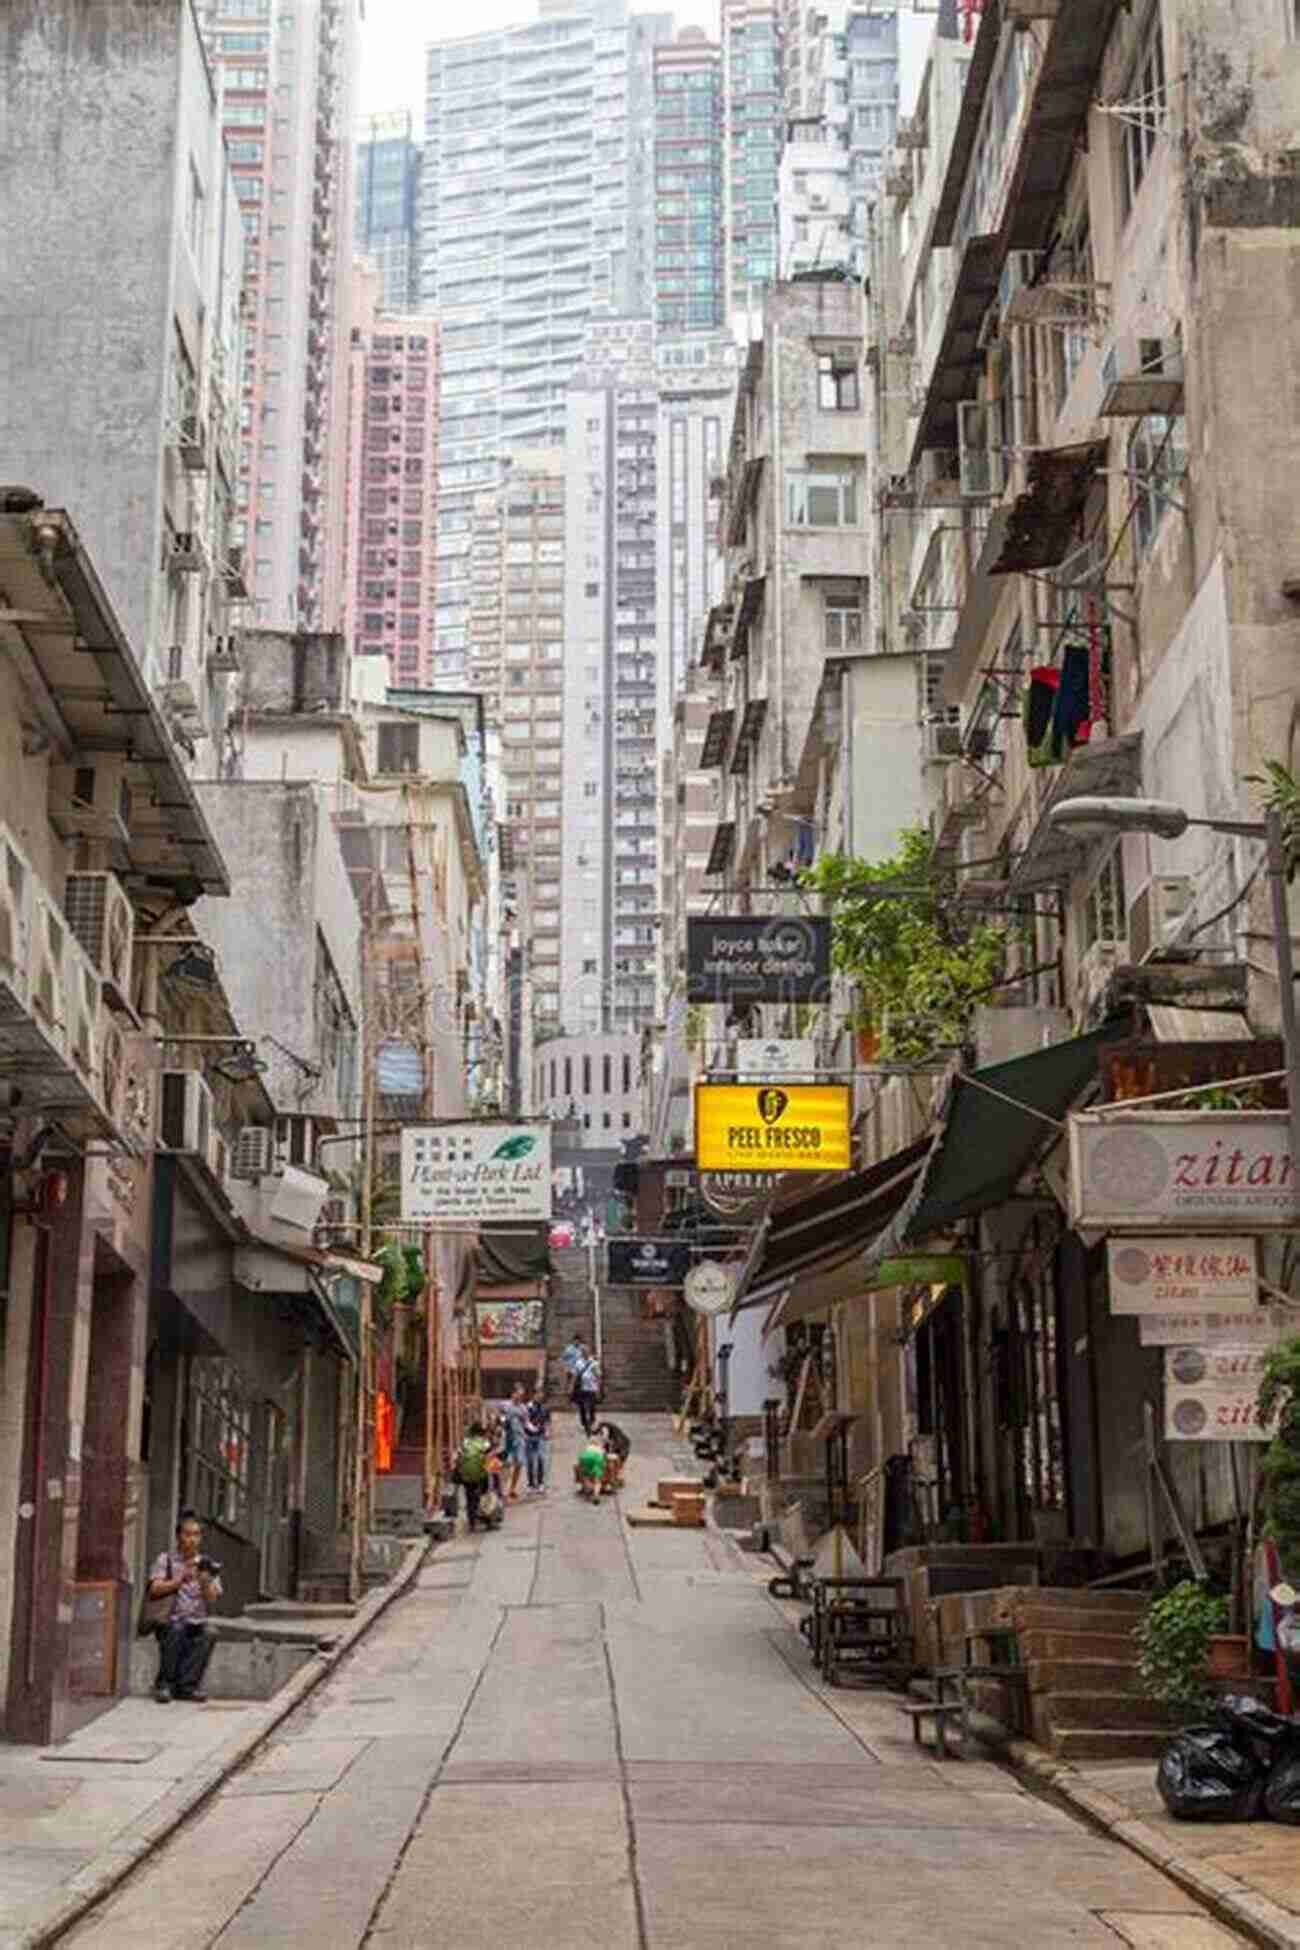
[
  {"x": 475, "y": 1173},
  {"x": 1181, "y": 1274}
]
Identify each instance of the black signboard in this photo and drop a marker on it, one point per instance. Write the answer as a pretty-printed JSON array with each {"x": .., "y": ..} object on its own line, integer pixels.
[
  {"x": 758, "y": 958},
  {"x": 648, "y": 1262},
  {"x": 736, "y": 1194}
]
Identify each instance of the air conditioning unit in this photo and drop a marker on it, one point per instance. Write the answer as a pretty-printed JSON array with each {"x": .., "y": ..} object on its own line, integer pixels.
[
  {"x": 47, "y": 980},
  {"x": 83, "y": 990},
  {"x": 942, "y": 743},
  {"x": 254, "y": 1152},
  {"x": 185, "y": 1112},
  {"x": 1155, "y": 913},
  {"x": 1140, "y": 376},
  {"x": 91, "y": 800},
  {"x": 295, "y": 1142},
  {"x": 1093, "y": 975},
  {"x": 182, "y": 554},
  {"x": 100, "y": 916},
  {"x": 16, "y": 886}
]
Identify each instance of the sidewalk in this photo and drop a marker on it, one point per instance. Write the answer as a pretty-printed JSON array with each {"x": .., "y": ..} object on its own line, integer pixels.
[
  {"x": 1247, "y": 1872},
  {"x": 75, "y": 1819}
]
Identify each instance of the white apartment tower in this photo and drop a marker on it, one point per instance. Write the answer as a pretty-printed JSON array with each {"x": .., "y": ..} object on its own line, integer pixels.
[{"x": 537, "y": 214}]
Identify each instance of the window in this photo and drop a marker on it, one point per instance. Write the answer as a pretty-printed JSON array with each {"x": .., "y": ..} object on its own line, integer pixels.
[
  {"x": 399, "y": 748},
  {"x": 1105, "y": 911},
  {"x": 607, "y": 1074},
  {"x": 1144, "y": 115},
  {"x": 837, "y": 383},
  {"x": 843, "y": 625},
  {"x": 1157, "y": 463},
  {"x": 815, "y": 500},
  {"x": 586, "y": 1076},
  {"x": 588, "y": 967},
  {"x": 221, "y": 1444}
]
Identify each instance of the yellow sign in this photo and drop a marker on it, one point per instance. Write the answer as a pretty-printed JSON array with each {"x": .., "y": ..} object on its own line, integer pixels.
[{"x": 772, "y": 1127}]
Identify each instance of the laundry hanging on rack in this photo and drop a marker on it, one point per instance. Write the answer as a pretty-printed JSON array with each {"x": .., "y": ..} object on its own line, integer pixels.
[
  {"x": 1071, "y": 713},
  {"x": 1038, "y": 704}
]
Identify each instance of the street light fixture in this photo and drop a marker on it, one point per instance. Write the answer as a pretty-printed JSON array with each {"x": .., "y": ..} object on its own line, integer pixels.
[{"x": 1170, "y": 822}]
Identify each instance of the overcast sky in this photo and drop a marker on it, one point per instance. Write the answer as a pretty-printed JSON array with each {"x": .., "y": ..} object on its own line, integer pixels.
[{"x": 396, "y": 31}]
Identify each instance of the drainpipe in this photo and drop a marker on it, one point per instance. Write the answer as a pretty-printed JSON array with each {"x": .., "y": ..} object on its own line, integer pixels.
[{"x": 778, "y": 525}]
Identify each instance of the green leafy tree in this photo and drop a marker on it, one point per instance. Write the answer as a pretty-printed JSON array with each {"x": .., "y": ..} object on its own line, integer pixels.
[
  {"x": 1281, "y": 795},
  {"x": 919, "y": 965},
  {"x": 1279, "y": 1468}
]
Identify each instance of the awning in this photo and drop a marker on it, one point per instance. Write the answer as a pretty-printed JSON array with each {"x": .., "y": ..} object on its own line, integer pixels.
[
  {"x": 1056, "y": 120},
  {"x": 306, "y": 1273},
  {"x": 960, "y": 357},
  {"x": 1042, "y": 522},
  {"x": 974, "y": 91},
  {"x": 716, "y": 739},
  {"x": 1175, "y": 1025},
  {"x": 91, "y": 696},
  {"x": 751, "y": 602},
  {"x": 810, "y": 1250},
  {"x": 722, "y": 849},
  {"x": 993, "y": 1125},
  {"x": 750, "y": 726},
  {"x": 1106, "y": 768},
  {"x": 508, "y": 1256}
]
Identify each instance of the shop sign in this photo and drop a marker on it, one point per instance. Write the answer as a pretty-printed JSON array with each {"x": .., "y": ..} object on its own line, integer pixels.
[
  {"x": 772, "y": 1127},
  {"x": 1210, "y": 1395},
  {"x": 510, "y": 1323},
  {"x": 647, "y": 1262},
  {"x": 475, "y": 1174},
  {"x": 775, "y": 1059},
  {"x": 1136, "y": 1171},
  {"x": 710, "y": 1287},
  {"x": 1210, "y": 1274},
  {"x": 918, "y": 1269},
  {"x": 1264, "y": 1327},
  {"x": 758, "y": 958},
  {"x": 735, "y": 1194}
]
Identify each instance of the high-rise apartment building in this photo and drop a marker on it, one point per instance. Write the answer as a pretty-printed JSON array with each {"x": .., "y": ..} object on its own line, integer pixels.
[
  {"x": 387, "y": 207},
  {"x": 842, "y": 101},
  {"x": 287, "y": 79},
  {"x": 689, "y": 279},
  {"x": 536, "y": 215},
  {"x": 391, "y": 503},
  {"x": 752, "y": 132},
  {"x": 610, "y": 828}
]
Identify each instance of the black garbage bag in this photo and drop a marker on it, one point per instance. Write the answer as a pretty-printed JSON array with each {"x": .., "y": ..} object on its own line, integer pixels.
[
  {"x": 1260, "y": 1732},
  {"x": 1205, "y": 1776},
  {"x": 1282, "y": 1792}
]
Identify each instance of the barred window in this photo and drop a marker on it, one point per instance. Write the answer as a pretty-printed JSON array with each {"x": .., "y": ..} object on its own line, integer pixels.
[{"x": 221, "y": 1444}]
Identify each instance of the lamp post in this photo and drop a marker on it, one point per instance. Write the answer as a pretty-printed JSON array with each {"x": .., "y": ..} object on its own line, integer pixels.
[{"x": 1168, "y": 822}]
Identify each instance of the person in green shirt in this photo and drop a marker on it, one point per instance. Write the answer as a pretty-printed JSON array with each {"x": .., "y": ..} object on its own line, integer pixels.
[
  {"x": 472, "y": 1471},
  {"x": 591, "y": 1468}
]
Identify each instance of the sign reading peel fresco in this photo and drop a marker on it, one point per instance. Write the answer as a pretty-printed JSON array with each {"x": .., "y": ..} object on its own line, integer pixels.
[
  {"x": 758, "y": 958},
  {"x": 772, "y": 1127},
  {"x": 475, "y": 1173},
  {"x": 1135, "y": 1172}
]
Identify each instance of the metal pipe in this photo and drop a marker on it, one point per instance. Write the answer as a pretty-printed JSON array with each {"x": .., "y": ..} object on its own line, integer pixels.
[{"x": 1286, "y": 984}]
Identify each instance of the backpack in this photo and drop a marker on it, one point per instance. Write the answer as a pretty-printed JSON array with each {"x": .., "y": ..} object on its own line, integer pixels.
[{"x": 471, "y": 1463}]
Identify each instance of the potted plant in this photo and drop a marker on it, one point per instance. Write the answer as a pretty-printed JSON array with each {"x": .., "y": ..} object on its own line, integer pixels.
[{"x": 1174, "y": 1641}]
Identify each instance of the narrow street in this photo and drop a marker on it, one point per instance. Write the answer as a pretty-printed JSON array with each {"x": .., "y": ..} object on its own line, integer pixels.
[{"x": 580, "y": 1736}]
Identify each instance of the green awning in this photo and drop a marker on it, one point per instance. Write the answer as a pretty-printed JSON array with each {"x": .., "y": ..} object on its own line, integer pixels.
[{"x": 993, "y": 1125}]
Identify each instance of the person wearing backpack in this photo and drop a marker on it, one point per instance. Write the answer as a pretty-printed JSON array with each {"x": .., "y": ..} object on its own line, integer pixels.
[
  {"x": 472, "y": 1471},
  {"x": 586, "y": 1392}
]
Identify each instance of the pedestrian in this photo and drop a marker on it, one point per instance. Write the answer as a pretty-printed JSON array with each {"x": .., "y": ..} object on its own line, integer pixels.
[
  {"x": 572, "y": 1358},
  {"x": 472, "y": 1471},
  {"x": 586, "y": 1391},
  {"x": 618, "y": 1447},
  {"x": 537, "y": 1431},
  {"x": 514, "y": 1442},
  {"x": 590, "y": 1470},
  {"x": 192, "y": 1582}
]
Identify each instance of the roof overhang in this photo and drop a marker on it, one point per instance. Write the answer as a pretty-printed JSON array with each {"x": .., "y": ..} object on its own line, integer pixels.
[
  {"x": 1056, "y": 119},
  {"x": 960, "y": 356},
  {"x": 1106, "y": 768},
  {"x": 973, "y": 95},
  {"x": 1042, "y": 522},
  {"x": 60, "y": 631}
]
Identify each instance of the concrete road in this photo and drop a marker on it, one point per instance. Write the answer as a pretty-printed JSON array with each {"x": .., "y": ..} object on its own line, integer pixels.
[{"x": 573, "y": 1735}]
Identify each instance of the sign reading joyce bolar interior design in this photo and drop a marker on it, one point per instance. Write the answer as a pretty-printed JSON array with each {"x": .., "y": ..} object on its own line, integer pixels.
[
  {"x": 772, "y": 1127},
  {"x": 1139, "y": 1172},
  {"x": 475, "y": 1173},
  {"x": 647, "y": 1262},
  {"x": 758, "y": 958}
]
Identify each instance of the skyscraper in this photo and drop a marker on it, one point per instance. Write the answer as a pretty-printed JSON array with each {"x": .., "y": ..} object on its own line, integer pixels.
[
  {"x": 842, "y": 100},
  {"x": 536, "y": 216},
  {"x": 387, "y": 207},
  {"x": 753, "y": 124},
  {"x": 689, "y": 247},
  {"x": 287, "y": 106}
]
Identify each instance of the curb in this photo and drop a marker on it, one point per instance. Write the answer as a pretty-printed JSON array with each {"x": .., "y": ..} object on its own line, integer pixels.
[
  {"x": 1229, "y": 1898},
  {"x": 100, "y": 1877}
]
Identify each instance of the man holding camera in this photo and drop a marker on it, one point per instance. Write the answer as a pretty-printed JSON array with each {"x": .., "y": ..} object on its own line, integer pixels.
[{"x": 192, "y": 1583}]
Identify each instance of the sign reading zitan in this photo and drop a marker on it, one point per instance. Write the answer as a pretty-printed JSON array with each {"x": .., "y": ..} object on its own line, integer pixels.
[
  {"x": 1210, "y": 1394},
  {"x": 771, "y": 1127},
  {"x": 1136, "y": 1171},
  {"x": 758, "y": 958},
  {"x": 1164, "y": 1275},
  {"x": 474, "y": 1173}
]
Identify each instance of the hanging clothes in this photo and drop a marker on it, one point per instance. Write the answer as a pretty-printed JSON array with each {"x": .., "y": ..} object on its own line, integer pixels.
[
  {"x": 1039, "y": 702},
  {"x": 1071, "y": 719}
]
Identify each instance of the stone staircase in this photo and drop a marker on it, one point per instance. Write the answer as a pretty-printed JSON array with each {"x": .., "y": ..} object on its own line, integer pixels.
[
  {"x": 1086, "y": 1700},
  {"x": 636, "y": 1373}
]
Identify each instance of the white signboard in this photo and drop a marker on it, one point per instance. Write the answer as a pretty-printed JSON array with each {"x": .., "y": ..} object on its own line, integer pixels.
[
  {"x": 708, "y": 1287},
  {"x": 475, "y": 1174},
  {"x": 1177, "y": 1273},
  {"x": 1145, "y": 1169},
  {"x": 776, "y": 1059},
  {"x": 1210, "y": 1394},
  {"x": 1265, "y": 1327}
]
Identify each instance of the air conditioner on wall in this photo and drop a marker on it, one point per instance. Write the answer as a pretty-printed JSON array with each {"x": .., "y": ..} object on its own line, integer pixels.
[
  {"x": 47, "y": 970},
  {"x": 185, "y": 1112},
  {"x": 1155, "y": 913},
  {"x": 82, "y": 987},
  {"x": 254, "y": 1153},
  {"x": 942, "y": 743},
  {"x": 101, "y": 918}
]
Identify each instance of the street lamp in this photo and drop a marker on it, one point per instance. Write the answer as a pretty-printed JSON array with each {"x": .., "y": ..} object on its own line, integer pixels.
[{"x": 1169, "y": 822}]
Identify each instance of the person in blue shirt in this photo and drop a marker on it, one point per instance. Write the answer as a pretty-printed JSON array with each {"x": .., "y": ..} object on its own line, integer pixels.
[{"x": 537, "y": 1431}]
